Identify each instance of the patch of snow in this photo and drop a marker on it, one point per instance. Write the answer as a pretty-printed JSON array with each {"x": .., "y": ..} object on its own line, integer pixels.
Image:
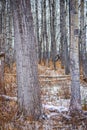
[{"x": 55, "y": 108}]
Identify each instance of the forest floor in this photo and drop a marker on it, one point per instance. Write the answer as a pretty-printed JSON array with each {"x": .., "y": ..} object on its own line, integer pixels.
[{"x": 55, "y": 97}]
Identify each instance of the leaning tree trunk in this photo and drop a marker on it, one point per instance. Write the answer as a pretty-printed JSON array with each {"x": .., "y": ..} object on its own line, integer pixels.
[
  {"x": 75, "y": 102},
  {"x": 26, "y": 59}
]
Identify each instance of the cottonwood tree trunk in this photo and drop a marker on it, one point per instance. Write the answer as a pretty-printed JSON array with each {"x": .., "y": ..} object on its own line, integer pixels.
[
  {"x": 83, "y": 41},
  {"x": 26, "y": 59},
  {"x": 75, "y": 102}
]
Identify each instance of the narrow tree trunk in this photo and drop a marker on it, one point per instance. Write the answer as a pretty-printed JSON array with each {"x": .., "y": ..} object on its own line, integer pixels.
[
  {"x": 2, "y": 85},
  {"x": 53, "y": 41},
  {"x": 75, "y": 102},
  {"x": 0, "y": 30},
  {"x": 83, "y": 41},
  {"x": 45, "y": 34},
  {"x": 63, "y": 38},
  {"x": 26, "y": 58},
  {"x": 42, "y": 34},
  {"x": 37, "y": 31},
  {"x": 62, "y": 30}
]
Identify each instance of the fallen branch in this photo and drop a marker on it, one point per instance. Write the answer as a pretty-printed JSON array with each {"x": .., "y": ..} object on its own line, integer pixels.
[
  {"x": 8, "y": 98},
  {"x": 10, "y": 74},
  {"x": 52, "y": 80},
  {"x": 55, "y": 76}
]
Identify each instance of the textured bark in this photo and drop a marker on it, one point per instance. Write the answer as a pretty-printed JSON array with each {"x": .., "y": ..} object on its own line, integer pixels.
[
  {"x": 45, "y": 34},
  {"x": 52, "y": 26},
  {"x": 75, "y": 103},
  {"x": 26, "y": 58},
  {"x": 62, "y": 30},
  {"x": 2, "y": 9},
  {"x": 42, "y": 34},
  {"x": 3, "y": 35},
  {"x": 83, "y": 41},
  {"x": 37, "y": 31},
  {"x": 0, "y": 30},
  {"x": 8, "y": 34},
  {"x": 2, "y": 87},
  {"x": 63, "y": 37}
]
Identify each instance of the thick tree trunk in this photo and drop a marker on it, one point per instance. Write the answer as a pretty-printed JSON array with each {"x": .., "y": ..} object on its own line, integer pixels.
[
  {"x": 26, "y": 58},
  {"x": 75, "y": 103}
]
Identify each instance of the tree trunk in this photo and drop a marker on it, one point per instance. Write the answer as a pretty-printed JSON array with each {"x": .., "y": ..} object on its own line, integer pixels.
[
  {"x": 83, "y": 41},
  {"x": 75, "y": 103},
  {"x": 53, "y": 41},
  {"x": 45, "y": 34},
  {"x": 63, "y": 37},
  {"x": 62, "y": 30},
  {"x": 37, "y": 31},
  {"x": 42, "y": 34},
  {"x": 26, "y": 58},
  {"x": 2, "y": 85}
]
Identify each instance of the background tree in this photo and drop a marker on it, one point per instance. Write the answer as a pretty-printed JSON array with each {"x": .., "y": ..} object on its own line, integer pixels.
[
  {"x": 26, "y": 60},
  {"x": 63, "y": 37},
  {"x": 83, "y": 39},
  {"x": 52, "y": 26}
]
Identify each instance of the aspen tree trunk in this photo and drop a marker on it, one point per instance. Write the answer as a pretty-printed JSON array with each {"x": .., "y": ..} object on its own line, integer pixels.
[
  {"x": 26, "y": 58},
  {"x": 50, "y": 12},
  {"x": 2, "y": 43},
  {"x": 63, "y": 37},
  {"x": 37, "y": 32},
  {"x": 62, "y": 30},
  {"x": 45, "y": 35},
  {"x": 75, "y": 102},
  {"x": 42, "y": 33},
  {"x": 1, "y": 30},
  {"x": 3, "y": 27},
  {"x": 2, "y": 85},
  {"x": 52, "y": 25},
  {"x": 83, "y": 41}
]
